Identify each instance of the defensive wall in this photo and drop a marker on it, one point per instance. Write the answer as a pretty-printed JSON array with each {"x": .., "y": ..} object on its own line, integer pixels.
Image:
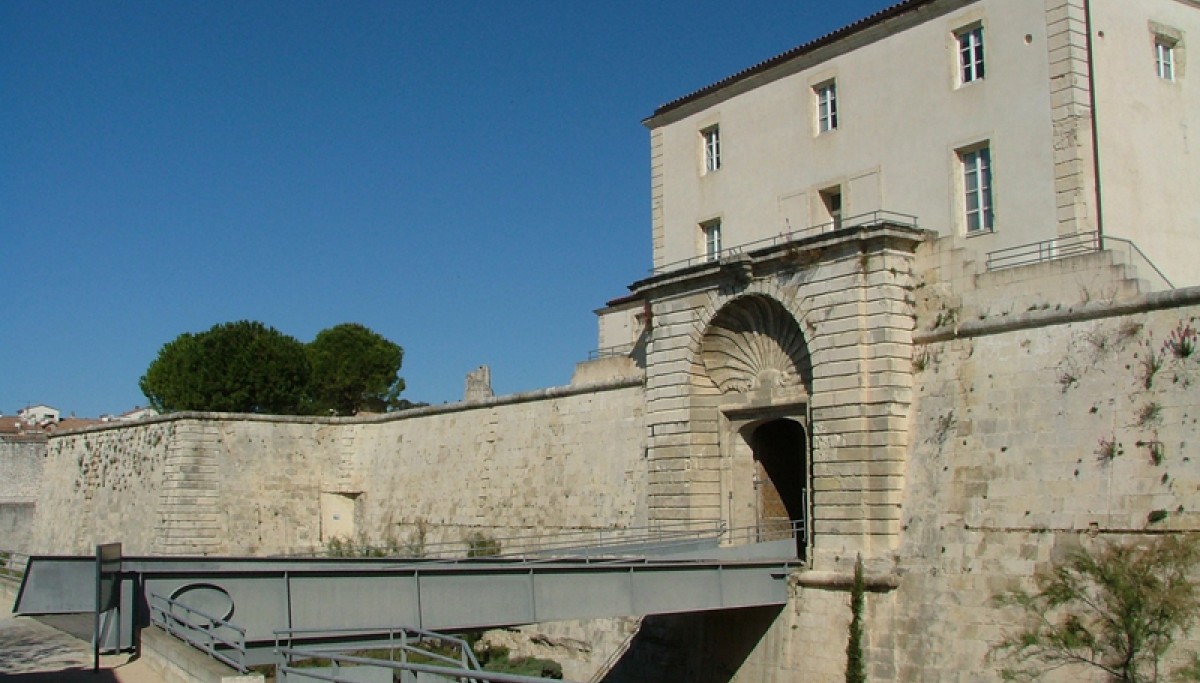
[
  {"x": 1052, "y": 408},
  {"x": 21, "y": 460},
  {"x": 192, "y": 483},
  {"x": 967, "y": 429}
]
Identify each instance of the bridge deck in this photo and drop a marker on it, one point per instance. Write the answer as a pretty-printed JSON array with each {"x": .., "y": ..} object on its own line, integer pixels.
[{"x": 266, "y": 595}]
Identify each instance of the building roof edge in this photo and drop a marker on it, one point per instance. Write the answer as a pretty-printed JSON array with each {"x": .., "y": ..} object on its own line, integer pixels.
[{"x": 850, "y": 29}]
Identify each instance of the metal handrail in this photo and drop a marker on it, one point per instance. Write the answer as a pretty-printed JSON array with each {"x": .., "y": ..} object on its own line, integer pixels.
[
  {"x": 1044, "y": 250},
  {"x": 599, "y": 545},
  {"x": 338, "y": 659},
  {"x": 206, "y": 636},
  {"x": 1134, "y": 249},
  {"x": 610, "y": 351},
  {"x": 563, "y": 541},
  {"x": 1065, "y": 246},
  {"x": 863, "y": 220},
  {"x": 13, "y": 563},
  {"x": 764, "y": 531},
  {"x": 467, "y": 658}
]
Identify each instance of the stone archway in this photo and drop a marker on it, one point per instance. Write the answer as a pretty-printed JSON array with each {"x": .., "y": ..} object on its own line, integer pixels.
[{"x": 756, "y": 356}]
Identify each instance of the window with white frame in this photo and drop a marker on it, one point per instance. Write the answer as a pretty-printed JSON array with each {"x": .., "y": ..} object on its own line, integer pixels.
[
  {"x": 1164, "y": 57},
  {"x": 827, "y": 113},
  {"x": 711, "y": 139},
  {"x": 711, "y": 233},
  {"x": 977, "y": 189},
  {"x": 970, "y": 54}
]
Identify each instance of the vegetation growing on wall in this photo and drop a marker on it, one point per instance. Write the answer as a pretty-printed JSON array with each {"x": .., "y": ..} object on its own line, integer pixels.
[{"x": 1117, "y": 610}]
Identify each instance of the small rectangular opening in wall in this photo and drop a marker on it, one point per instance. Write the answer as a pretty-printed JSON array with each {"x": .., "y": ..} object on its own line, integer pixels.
[
  {"x": 338, "y": 514},
  {"x": 831, "y": 200}
]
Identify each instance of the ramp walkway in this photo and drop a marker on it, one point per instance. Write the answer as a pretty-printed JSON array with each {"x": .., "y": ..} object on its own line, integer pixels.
[{"x": 236, "y": 606}]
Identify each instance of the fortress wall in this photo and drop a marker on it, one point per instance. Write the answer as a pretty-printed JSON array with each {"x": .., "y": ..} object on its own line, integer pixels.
[
  {"x": 1028, "y": 443},
  {"x": 234, "y": 484},
  {"x": 102, "y": 485},
  {"x": 20, "y": 469},
  {"x": 571, "y": 462},
  {"x": 1009, "y": 469},
  {"x": 21, "y": 462}
]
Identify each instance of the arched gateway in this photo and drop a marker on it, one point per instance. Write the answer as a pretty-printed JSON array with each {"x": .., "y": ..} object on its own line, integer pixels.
[{"x": 756, "y": 357}]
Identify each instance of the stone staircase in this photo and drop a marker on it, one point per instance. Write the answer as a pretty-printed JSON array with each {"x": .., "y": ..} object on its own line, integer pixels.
[{"x": 953, "y": 285}]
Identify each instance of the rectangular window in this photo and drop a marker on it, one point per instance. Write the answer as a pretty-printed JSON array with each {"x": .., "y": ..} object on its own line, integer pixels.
[
  {"x": 711, "y": 138},
  {"x": 970, "y": 54},
  {"x": 832, "y": 199},
  {"x": 1164, "y": 58},
  {"x": 712, "y": 239},
  {"x": 827, "y": 115},
  {"x": 977, "y": 189}
]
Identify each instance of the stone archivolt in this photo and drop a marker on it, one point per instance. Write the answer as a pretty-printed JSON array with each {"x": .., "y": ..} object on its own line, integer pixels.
[{"x": 754, "y": 344}]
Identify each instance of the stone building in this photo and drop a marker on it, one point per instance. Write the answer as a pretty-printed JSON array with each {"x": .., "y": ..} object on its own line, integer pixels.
[
  {"x": 998, "y": 122},
  {"x": 789, "y": 199}
]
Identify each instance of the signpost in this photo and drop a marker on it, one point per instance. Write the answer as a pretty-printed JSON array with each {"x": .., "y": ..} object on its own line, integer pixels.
[{"x": 108, "y": 596}]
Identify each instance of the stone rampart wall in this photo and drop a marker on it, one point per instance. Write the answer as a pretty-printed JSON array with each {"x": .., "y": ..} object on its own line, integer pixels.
[
  {"x": 21, "y": 469},
  {"x": 235, "y": 484}
]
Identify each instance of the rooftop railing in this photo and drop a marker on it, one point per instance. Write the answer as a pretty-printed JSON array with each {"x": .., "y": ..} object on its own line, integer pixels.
[{"x": 611, "y": 351}]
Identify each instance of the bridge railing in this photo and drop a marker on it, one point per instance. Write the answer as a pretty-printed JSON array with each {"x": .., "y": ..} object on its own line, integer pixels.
[
  {"x": 218, "y": 638},
  {"x": 409, "y": 650},
  {"x": 342, "y": 669},
  {"x": 479, "y": 542},
  {"x": 653, "y": 540}
]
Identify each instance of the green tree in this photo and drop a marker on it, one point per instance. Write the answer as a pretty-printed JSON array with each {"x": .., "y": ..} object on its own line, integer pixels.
[
  {"x": 241, "y": 367},
  {"x": 1118, "y": 610},
  {"x": 354, "y": 369}
]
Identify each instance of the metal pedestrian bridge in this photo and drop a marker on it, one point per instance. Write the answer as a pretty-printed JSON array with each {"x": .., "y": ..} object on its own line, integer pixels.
[{"x": 235, "y": 607}]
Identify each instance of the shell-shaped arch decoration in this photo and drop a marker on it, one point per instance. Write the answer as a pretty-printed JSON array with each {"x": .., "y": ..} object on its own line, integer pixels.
[{"x": 754, "y": 343}]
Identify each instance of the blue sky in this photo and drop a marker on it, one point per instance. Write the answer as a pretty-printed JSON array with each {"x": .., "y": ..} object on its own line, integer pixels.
[{"x": 468, "y": 179}]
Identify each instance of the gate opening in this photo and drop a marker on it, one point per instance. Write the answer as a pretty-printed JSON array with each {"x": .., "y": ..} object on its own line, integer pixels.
[{"x": 781, "y": 481}]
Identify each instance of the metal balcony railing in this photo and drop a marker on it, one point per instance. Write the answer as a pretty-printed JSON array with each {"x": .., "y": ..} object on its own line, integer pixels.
[{"x": 864, "y": 220}]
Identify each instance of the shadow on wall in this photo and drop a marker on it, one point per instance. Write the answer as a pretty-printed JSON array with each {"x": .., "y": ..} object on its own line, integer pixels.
[{"x": 702, "y": 647}]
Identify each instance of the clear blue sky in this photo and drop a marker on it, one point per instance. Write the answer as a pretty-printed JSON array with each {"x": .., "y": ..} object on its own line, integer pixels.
[{"x": 469, "y": 179}]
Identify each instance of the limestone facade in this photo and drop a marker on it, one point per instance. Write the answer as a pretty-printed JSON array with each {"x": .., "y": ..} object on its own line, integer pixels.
[{"x": 1081, "y": 132}]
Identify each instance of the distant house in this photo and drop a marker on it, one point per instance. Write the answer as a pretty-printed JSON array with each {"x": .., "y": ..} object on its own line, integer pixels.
[
  {"x": 39, "y": 414},
  {"x": 138, "y": 413}
]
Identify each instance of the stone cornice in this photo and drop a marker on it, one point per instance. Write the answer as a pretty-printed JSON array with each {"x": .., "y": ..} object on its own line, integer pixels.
[{"x": 754, "y": 262}]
